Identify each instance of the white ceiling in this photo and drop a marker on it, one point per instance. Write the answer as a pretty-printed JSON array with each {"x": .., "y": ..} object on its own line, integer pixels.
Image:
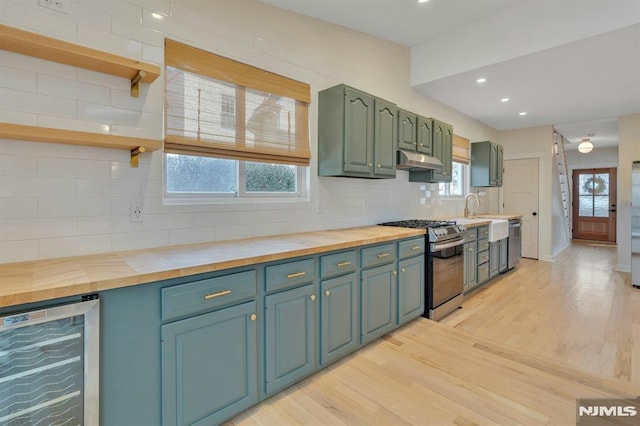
[{"x": 574, "y": 64}]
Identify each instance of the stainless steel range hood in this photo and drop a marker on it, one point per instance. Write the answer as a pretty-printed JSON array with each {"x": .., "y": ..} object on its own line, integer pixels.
[{"x": 408, "y": 160}]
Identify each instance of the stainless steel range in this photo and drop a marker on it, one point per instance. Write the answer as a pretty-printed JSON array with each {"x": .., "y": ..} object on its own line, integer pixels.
[{"x": 444, "y": 266}]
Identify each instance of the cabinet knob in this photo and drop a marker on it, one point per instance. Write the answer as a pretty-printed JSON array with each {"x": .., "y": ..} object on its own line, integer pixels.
[
  {"x": 313, "y": 297},
  {"x": 370, "y": 165},
  {"x": 379, "y": 165},
  {"x": 253, "y": 317},
  {"x": 421, "y": 144},
  {"x": 328, "y": 292},
  {"x": 403, "y": 270},
  {"x": 395, "y": 272}
]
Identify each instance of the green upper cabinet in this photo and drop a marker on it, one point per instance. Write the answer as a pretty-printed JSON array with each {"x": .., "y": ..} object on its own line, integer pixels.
[
  {"x": 356, "y": 134},
  {"x": 425, "y": 135},
  {"x": 407, "y": 130},
  {"x": 486, "y": 164},
  {"x": 442, "y": 150},
  {"x": 384, "y": 136},
  {"x": 415, "y": 133}
]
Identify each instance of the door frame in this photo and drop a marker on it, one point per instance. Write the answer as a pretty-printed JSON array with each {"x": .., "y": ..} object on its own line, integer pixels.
[
  {"x": 613, "y": 176},
  {"x": 539, "y": 155}
]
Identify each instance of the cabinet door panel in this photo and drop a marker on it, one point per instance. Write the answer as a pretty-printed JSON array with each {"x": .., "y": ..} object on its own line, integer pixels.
[
  {"x": 384, "y": 135},
  {"x": 470, "y": 266},
  {"x": 406, "y": 130},
  {"x": 290, "y": 336},
  {"x": 379, "y": 307},
  {"x": 494, "y": 258},
  {"x": 339, "y": 313},
  {"x": 499, "y": 165},
  {"x": 410, "y": 288},
  {"x": 504, "y": 254},
  {"x": 425, "y": 135},
  {"x": 200, "y": 353},
  {"x": 358, "y": 132}
]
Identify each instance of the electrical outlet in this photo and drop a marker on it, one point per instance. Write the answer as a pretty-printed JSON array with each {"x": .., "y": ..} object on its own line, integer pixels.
[
  {"x": 57, "y": 5},
  {"x": 137, "y": 212}
]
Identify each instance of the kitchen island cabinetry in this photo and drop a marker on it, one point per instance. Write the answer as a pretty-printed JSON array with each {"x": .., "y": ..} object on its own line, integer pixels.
[
  {"x": 498, "y": 257},
  {"x": 356, "y": 134},
  {"x": 486, "y": 164}
]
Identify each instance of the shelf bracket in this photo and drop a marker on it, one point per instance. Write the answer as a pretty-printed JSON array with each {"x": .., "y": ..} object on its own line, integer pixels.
[
  {"x": 135, "y": 154},
  {"x": 135, "y": 84}
]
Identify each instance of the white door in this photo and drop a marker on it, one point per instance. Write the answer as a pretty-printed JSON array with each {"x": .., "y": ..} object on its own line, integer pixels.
[{"x": 520, "y": 196}]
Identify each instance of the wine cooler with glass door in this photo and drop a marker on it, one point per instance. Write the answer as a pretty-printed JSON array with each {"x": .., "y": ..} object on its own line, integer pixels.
[{"x": 49, "y": 367}]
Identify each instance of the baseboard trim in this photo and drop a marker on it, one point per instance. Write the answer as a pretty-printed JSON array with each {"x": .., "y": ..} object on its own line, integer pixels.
[{"x": 623, "y": 268}]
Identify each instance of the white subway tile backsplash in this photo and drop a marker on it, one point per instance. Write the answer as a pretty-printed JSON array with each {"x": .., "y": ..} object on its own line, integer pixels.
[
  {"x": 94, "y": 225},
  {"x": 72, "y": 89},
  {"x": 170, "y": 27},
  {"x": 192, "y": 235},
  {"x": 8, "y": 146},
  {"x": 14, "y": 78},
  {"x": 123, "y": 99},
  {"x": 18, "y": 208},
  {"x": 140, "y": 240},
  {"x": 72, "y": 124},
  {"x": 123, "y": 224},
  {"x": 27, "y": 229},
  {"x": 74, "y": 246},
  {"x": 101, "y": 79},
  {"x": 103, "y": 154},
  {"x": 100, "y": 20},
  {"x": 30, "y": 64},
  {"x": 38, "y": 19},
  {"x": 167, "y": 221},
  {"x": 137, "y": 32},
  {"x": 18, "y": 165},
  {"x": 162, "y": 7},
  {"x": 93, "y": 188},
  {"x": 63, "y": 167},
  {"x": 107, "y": 114},
  {"x": 108, "y": 42},
  {"x": 125, "y": 171},
  {"x": 117, "y": 8},
  {"x": 15, "y": 100},
  {"x": 18, "y": 117},
  {"x": 18, "y": 251},
  {"x": 27, "y": 186},
  {"x": 153, "y": 54},
  {"x": 73, "y": 207}
]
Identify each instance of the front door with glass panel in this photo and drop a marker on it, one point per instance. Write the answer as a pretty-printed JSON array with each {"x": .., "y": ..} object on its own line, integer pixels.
[{"x": 594, "y": 204}]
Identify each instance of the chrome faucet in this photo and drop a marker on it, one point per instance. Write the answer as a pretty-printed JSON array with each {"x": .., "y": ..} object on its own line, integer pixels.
[{"x": 466, "y": 204}]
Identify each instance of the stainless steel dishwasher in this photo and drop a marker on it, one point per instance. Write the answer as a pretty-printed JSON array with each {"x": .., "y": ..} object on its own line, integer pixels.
[
  {"x": 515, "y": 242},
  {"x": 49, "y": 365}
]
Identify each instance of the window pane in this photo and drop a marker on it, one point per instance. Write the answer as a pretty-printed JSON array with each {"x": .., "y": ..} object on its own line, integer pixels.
[
  {"x": 266, "y": 177},
  {"x": 457, "y": 177},
  {"x": 186, "y": 173},
  {"x": 601, "y": 204},
  {"x": 601, "y": 184},
  {"x": 586, "y": 184},
  {"x": 586, "y": 206},
  {"x": 270, "y": 120}
]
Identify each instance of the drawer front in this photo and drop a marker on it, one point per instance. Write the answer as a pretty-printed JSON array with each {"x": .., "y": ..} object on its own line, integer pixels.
[
  {"x": 410, "y": 247},
  {"x": 378, "y": 255},
  {"x": 483, "y": 273},
  {"x": 483, "y": 257},
  {"x": 470, "y": 235},
  {"x": 483, "y": 232},
  {"x": 338, "y": 263},
  {"x": 205, "y": 295},
  {"x": 483, "y": 245},
  {"x": 289, "y": 274}
]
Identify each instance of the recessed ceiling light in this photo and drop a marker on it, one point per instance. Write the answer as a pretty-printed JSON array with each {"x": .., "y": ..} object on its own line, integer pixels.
[
  {"x": 422, "y": 1},
  {"x": 157, "y": 15},
  {"x": 481, "y": 80},
  {"x": 523, "y": 113},
  {"x": 504, "y": 100}
]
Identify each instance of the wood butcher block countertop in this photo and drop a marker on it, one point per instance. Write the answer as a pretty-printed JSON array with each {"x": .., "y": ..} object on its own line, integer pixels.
[
  {"x": 39, "y": 280},
  {"x": 499, "y": 216}
]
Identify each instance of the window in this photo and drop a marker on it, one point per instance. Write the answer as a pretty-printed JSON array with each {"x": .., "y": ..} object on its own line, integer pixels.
[
  {"x": 458, "y": 185},
  {"x": 232, "y": 130}
]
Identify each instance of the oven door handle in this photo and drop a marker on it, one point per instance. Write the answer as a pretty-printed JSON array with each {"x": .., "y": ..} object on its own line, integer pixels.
[{"x": 438, "y": 247}]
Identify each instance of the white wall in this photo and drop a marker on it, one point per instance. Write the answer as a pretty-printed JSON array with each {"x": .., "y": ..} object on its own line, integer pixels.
[
  {"x": 628, "y": 151},
  {"x": 536, "y": 142},
  {"x": 62, "y": 200}
]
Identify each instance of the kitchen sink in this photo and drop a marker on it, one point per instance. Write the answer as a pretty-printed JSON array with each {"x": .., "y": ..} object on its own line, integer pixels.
[{"x": 498, "y": 228}]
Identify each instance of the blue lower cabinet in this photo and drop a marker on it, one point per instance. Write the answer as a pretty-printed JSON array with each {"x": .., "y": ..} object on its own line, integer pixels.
[
  {"x": 379, "y": 302},
  {"x": 290, "y": 336},
  {"x": 410, "y": 288},
  {"x": 209, "y": 366},
  {"x": 339, "y": 318}
]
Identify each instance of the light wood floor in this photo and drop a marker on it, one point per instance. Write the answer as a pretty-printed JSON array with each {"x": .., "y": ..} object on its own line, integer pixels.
[{"x": 520, "y": 352}]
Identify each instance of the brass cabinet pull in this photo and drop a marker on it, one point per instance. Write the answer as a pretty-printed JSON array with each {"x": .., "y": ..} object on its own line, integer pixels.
[
  {"x": 343, "y": 264},
  {"x": 296, "y": 275},
  {"x": 313, "y": 297},
  {"x": 218, "y": 294},
  {"x": 416, "y": 247},
  {"x": 328, "y": 292},
  {"x": 383, "y": 255},
  {"x": 253, "y": 317}
]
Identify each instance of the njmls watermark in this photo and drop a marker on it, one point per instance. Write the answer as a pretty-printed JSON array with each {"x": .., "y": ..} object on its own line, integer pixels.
[{"x": 599, "y": 412}]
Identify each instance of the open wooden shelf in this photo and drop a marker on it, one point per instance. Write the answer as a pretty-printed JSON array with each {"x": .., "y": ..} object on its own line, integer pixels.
[
  {"x": 43, "y": 47},
  {"x": 72, "y": 137},
  {"x": 51, "y": 49}
]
